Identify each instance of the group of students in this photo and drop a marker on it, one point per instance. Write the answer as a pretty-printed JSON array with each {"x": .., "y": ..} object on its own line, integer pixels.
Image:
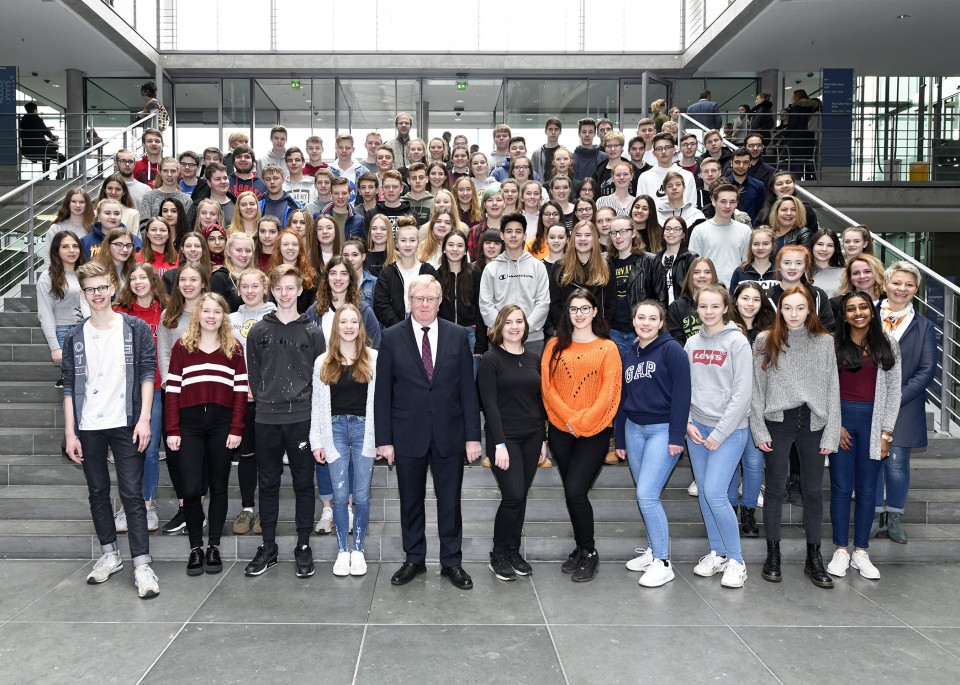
[{"x": 617, "y": 290}]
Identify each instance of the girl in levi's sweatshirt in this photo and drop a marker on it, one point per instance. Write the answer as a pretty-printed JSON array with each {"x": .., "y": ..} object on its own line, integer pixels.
[
  {"x": 720, "y": 371},
  {"x": 650, "y": 427},
  {"x": 252, "y": 284},
  {"x": 205, "y": 406}
]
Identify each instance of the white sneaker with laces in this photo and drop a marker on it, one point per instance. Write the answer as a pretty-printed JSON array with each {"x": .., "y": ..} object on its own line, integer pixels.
[
  {"x": 642, "y": 562},
  {"x": 358, "y": 564},
  {"x": 693, "y": 490},
  {"x": 659, "y": 573},
  {"x": 710, "y": 565},
  {"x": 341, "y": 567},
  {"x": 146, "y": 581},
  {"x": 120, "y": 521},
  {"x": 861, "y": 561},
  {"x": 153, "y": 519},
  {"x": 838, "y": 565},
  {"x": 734, "y": 574},
  {"x": 108, "y": 564},
  {"x": 325, "y": 524}
]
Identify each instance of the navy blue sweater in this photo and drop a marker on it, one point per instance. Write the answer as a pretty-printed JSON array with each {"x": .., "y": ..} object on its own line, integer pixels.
[{"x": 656, "y": 388}]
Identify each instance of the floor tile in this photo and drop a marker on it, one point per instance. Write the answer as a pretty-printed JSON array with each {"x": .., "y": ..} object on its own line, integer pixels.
[
  {"x": 844, "y": 655},
  {"x": 25, "y": 581},
  {"x": 448, "y": 655},
  {"x": 948, "y": 638},
  {"x": 431, "y": 599},
  {"x": 633, "y": 654},
  {"x": 53, "y": 653},
  {"x": 919, "y": 594},
  {"x": 278, "y": 596},
  {"x": 615, "y": 598},
  {"x": 271, "y": 654}
]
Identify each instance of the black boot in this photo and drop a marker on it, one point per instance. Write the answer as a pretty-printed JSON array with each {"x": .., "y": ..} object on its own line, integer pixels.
[
  {"x": 771, "y": 567},
  {"x": 794, "y": 496},
  {"x": 748, "y": 522},
  {"x": 814, "y": 567}
]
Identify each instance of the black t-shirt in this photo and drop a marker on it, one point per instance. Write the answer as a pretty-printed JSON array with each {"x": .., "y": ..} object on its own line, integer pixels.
[
  {"x": 347, "y": 397},
  {"x": 621, "y": 314}
]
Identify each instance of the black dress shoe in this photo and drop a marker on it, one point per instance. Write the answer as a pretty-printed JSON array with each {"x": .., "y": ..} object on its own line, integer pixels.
[
  {"x": 212, "y": 560},
  {"x": 406, "y": 573},
  {"x": 195, "y": 562},
  {"x": 460, "y": 578}
]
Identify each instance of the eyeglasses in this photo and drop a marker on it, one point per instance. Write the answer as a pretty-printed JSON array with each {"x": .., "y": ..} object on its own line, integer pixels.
[
  {"x": 188, "y": 165},
  {"x": 126, "y": 161},
  {"x": 99, "y": 290},
  {"x": 585, "y": 309},
  {"x": 551, "y": 215},
  {"x": 584, "y": 210},
  {"x": 663, "y": 148},
  {"x": 689, "y": 145},
  {"x": 622, "y": 231},
  {"x": 123, "y": 246},
  {"x": 424, "y": 299},
  {"x": 522, "y": 167},
  {"x": 672, "y": 229}
]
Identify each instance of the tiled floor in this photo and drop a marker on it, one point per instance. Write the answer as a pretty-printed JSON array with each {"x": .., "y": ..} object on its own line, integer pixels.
[{"x": 226, "y": 628}]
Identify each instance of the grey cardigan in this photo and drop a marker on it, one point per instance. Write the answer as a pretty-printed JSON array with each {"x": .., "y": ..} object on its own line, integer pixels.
[{"x": 886, "y": 400}]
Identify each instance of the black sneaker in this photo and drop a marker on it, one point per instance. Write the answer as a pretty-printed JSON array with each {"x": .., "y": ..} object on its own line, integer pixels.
[
  {"x": 518, "y": 563},
  {"x": 304, "y": 556},
  {"x": 176, "y": 524},
  {"x": 573, "y": 561},
  {"x": 59, "y": 383},
  {"x": 212, "y": 560},
  {"x": 265, "y": 557},
  {"x": 587, "y": 570},
  {"x": 184, "y": 531},
  {"x": 195, "y": 563},
  {"x": 500, "y": 565}
]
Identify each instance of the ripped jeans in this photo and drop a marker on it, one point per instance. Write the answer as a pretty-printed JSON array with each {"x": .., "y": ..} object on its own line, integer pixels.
[{"x": 348, "y": 433}]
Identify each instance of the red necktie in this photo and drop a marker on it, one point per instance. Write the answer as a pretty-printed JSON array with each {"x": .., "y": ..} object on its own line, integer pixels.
[{"x": 426, "y": 353}]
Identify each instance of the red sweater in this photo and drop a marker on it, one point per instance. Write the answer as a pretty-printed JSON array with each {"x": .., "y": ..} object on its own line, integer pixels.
[
  {"x": 197, "y": 378},
  {"x": 151, "y": 316}
]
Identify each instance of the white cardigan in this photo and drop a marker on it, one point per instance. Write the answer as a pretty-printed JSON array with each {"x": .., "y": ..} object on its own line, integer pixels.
[{"x": 321, "y": 419}]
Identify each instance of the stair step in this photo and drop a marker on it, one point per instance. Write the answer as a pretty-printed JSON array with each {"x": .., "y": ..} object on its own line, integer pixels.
[
  {"x": 28, "y": 290},
  {"x": 29, "y": 391},
  {"x": 19, "y": 319},
  {"x": 32, "y": 415},
  {"x": 30, "y": 371},
  {"x": 25, "y": 352},
  {"x": 20, "y": 304},
  {"x": 22, "y": 336}
]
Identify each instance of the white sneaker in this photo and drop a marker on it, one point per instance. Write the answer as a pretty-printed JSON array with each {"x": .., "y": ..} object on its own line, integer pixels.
[
  {"x": 341, "y": 567},
  {"x": 108, "y": 564},
  {"x": 286, "y": 459},
  {"x": 358, "y": 564},
  {"x": 325, "y": 524},
  {"x": 760, "y": 499},
  {"x": 838, "y": 565},
  {"x": 734, "y": 574},
  {"x": 693, "y": 490},
  {"x": 153, "y": 519},
  {"x": 642, "y": 562},
  {"x": 659, "y": 573},
  {"x": 710, "y": 565},
  {"x": 146, "y": 581},
  {"x": 861, "y": 561},
  {"x": 350, "y": 512},
  {"x": 120, "y": 520}
]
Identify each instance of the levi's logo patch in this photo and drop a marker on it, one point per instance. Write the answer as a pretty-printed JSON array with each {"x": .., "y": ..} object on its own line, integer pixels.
[{"x": 708, "y": 357}]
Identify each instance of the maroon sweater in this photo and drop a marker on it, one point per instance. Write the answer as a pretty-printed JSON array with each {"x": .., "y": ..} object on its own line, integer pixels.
[{"x": 197, "y": 378}]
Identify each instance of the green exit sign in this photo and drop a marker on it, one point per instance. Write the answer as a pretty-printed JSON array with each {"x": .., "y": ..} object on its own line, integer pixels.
[
  {"x": 461, "y": 85},
  {"x": 295, "y": 85}
]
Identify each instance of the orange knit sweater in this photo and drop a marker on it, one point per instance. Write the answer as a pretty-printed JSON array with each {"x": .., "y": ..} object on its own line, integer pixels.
[{"x": 584, "y": 388}]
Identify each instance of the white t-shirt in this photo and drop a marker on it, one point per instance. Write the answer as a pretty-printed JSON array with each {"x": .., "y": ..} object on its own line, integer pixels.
[
  {"x": 651, "y": 181},
  {"x": 104, "y": 403},
  {"x": 408, "y": 275}
]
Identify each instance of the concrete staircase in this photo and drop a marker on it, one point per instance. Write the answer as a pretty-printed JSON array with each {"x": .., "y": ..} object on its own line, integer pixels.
[{"x": 44, "y": 511}]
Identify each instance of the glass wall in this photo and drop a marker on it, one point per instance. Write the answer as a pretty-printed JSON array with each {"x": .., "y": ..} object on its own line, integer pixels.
[{"x": 530, "y": 102}]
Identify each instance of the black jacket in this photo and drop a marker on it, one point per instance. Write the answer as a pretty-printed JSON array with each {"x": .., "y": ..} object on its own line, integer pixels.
[
  {"x": 678, "y": 270},
  {"x": 389, "y": 294},
  {"x": 453, "y": 309},
  {"x": 762, "y": 120},
  {"x": 682, "y": 320},
  {"x": 606, "y": 296},
  {"x": 645, "y": 281}
]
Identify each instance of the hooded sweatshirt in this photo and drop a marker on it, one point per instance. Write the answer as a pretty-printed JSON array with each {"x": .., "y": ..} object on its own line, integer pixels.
[
  {"x": 656, "y": 388},
  {"x": 281, "y": 360},
  {"x": 586, "y": 160},
  {"x": 90, "y": 243},
  {"x": 721, "y": 374},
  {"x": 523, "y": 282},
  {"x": 243, "y": 319}
]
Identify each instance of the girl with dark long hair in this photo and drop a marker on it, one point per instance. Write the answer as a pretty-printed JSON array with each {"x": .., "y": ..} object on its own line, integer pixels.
[{"x": 60, "y": 301}]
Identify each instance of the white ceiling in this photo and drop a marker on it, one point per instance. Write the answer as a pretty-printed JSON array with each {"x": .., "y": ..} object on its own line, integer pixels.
[{"x": 864, "y": 35}]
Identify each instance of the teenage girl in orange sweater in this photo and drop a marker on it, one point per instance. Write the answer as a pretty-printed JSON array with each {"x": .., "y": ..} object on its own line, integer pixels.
[{"x": 581, "y": 377}]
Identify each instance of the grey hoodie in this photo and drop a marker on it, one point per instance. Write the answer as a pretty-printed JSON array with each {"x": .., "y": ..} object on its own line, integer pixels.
[
  {"x": 721, "y": 375},
  {"x": 523, "y": 282}
]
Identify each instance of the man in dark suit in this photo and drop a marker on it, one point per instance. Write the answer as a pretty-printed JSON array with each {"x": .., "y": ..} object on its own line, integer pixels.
[
  {"x": 427, "y": 413},
  {"x": 706, "y": 111}
]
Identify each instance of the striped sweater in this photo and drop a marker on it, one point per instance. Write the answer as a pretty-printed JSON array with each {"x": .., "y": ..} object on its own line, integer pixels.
[{"x": 197, "y": 378}]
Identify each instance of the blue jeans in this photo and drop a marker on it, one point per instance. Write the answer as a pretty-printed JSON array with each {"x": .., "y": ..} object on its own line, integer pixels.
[
  {"x": 624, "y": 341},
  {"x": 713, "y": 471},
  {"x": 895, "y": 474},
  {"x": 324, "y": 485},
  {"x": 651, "y": 465},
  {"x": 851, "y": 470},
  {"x": 62, "y": 334},
  {"x": 151, "y": 464},
  {"x": 751, "y": 462},
  {"x": 348, "y": 439},
  {"x": 472, "y": 341}
]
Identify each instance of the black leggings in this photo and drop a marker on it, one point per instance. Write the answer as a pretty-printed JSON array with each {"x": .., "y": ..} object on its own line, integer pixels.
[
  {"x": 794, "y": 430},
  {"x": 203, "y": 452},
  {"x": 579, "y": 460},
  {"x": 247, "y": 465},
  {"x": 514, "y": 484}
]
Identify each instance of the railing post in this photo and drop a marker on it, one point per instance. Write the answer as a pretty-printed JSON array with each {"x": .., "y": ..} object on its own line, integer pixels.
[
  {"x": 947, "y": 363},
  {"x": 31, "y": 262}
]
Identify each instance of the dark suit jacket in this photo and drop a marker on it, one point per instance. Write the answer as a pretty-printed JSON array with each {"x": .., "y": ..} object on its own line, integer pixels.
[
  {"x": 918, "y": 359},
  {"x": 707, "y": 112},
  {"x": 410, "y": 410}
]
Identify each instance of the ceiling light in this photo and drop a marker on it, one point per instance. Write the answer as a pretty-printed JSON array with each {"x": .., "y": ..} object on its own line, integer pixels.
[
  {"x": 308, "y": 100},
  {"x": 788, "y": 87},
  {"x": 903, "y": 16},
  {"x": 459, "y": 102},
  {"x": 55, "y": 85}
]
